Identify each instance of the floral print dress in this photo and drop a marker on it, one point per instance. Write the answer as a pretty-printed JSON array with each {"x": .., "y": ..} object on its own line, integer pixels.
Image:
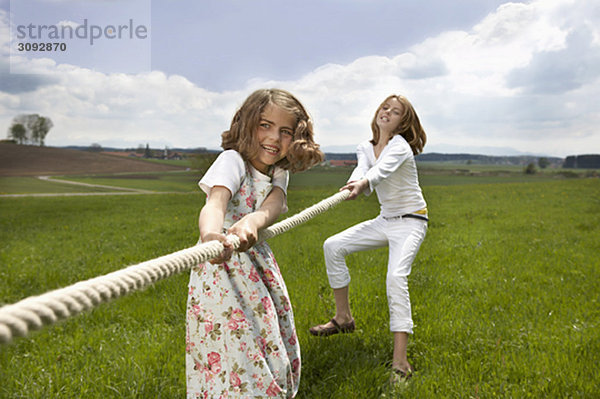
[{"x": 241, "y": 341}]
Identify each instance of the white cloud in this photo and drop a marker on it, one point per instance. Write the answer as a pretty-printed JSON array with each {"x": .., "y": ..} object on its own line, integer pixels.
[
  {"x": 473, "y": 96},
  {"x": 526, "y": 77}
]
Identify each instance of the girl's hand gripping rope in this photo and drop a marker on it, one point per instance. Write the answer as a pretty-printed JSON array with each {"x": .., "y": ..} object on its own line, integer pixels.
[
  {"x": 246, "y": 231},
  {"x": 355, "y": 187},
  {"x": 227, "y": 247}
]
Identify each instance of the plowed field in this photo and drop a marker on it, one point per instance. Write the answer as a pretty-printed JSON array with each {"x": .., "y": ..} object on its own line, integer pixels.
[{"x": 26, "y": 160}]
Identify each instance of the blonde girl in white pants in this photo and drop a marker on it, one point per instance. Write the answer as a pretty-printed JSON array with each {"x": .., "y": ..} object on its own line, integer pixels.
[{"x": 385, "y": 164}]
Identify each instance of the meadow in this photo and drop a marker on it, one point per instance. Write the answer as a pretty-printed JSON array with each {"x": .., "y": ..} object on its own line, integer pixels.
[{"x": 505, "y": 291}]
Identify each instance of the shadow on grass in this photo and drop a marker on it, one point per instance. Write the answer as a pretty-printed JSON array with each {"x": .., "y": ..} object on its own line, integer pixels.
[{"x": 343, "y": 366}]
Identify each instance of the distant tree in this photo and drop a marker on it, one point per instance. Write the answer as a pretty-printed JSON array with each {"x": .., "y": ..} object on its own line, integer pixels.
[
  {"x": 570, "y": 162},
  {"x": 40, "y": 129},
  {"x": 543, "y": 163},
  {"x": 201, "y": 162},
  {"x": 95, "y": 147},
  {"x": 587, "y": 161},
  {"x": 530, "y": 169},
  {"x": 36, "y": 128},
  {"x": 18, "y": 132},
  {"x": 147, "y": 152},
  {"x": 27, "y": 121},
  {"x": 590, "y": 161}
]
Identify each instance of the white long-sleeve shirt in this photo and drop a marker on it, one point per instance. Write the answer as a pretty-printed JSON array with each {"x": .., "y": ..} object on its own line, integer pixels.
[{"x": 393, "y": 176}]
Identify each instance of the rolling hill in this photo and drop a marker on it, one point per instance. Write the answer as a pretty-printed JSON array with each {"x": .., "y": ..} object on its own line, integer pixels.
[{"x": 27, "y": 160}]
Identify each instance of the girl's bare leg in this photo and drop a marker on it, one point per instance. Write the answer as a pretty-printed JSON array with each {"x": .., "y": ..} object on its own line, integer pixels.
[
  {"x": 400, "y": 360},
  {"x": 343, "y": 314}
]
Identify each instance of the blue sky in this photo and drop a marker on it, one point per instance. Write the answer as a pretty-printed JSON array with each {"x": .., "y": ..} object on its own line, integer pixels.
[
  {"x": 485, "y": 76},
  {"x": 220, "y": 45}
]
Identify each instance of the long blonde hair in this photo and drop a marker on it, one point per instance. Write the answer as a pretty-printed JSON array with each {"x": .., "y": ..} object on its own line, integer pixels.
[
  {"x": 409, "y": 127},
  {"x": 303, "y": 152}
]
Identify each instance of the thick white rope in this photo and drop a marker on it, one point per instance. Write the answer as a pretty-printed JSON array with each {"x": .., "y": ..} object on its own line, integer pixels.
[{"x": 36, "y": 311}]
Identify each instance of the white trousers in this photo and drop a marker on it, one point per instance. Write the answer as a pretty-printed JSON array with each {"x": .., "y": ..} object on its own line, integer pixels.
[{"x": 403, "y": 236}]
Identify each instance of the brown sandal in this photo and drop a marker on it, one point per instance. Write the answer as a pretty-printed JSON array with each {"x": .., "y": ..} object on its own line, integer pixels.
[{"x": 322, "y": 331}]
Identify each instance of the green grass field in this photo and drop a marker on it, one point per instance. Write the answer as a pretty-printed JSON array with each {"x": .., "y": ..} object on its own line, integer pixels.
[
  {"x": 33, "y": 185},
  {"x": 178, "y": 181},
  {"x": 505, "y": 292},
  {"x": 430, "y": 173}
]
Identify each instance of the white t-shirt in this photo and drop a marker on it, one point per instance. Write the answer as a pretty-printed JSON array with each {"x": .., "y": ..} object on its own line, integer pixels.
[
  {"x": 229, "y": 170},
  {"x": 393, "y": 176}
]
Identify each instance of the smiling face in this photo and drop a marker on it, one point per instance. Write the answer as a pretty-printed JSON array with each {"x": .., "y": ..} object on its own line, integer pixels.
[
  {"x": 389, "y": 116},
  {"x": 274, "y": 134}
]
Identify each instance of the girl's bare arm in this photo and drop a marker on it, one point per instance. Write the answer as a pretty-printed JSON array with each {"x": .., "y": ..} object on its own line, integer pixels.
[
  {"x": 211, "y": 220},
  {"x": 247, "y": 228}
]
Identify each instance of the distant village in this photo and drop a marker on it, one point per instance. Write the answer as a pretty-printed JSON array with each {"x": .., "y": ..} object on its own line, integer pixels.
[{"x": 149, "y": 153}]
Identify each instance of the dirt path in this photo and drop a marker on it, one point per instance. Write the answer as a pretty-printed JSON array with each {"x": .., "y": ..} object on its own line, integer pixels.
[
  {"x": 118, "y": 190},
  {"x": 76, "y": 183}
]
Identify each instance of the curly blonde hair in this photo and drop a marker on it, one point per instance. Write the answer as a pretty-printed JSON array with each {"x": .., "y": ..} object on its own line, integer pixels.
[
  {"x": 410, "y": 127},
  {"x": 303, "y": 152}
]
